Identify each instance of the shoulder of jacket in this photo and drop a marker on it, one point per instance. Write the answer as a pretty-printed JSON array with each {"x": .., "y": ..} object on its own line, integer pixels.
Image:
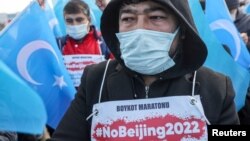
[{"x": 211, "y": 75}]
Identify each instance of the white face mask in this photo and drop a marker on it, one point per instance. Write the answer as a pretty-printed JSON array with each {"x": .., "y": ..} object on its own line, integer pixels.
[
  {"x": 146, "y": 51},
  {"x": 77, "y": 31}
]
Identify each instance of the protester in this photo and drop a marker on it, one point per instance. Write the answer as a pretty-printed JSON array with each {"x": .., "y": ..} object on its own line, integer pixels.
[
  {"x": 8, "y": 136},
  {"x": 3, "y": 20},
  {"x": 83, "y": 45},
  {"x": 32, "y": 137},
  {"x": 2, "y": 26},
  {"x": 159, "y": 57},
  {"x": 41, "y": 3},
  {"x": 102, "y": 4},
  {"x": 243, "y": 3},
  {"x": 82, "y": 38},
  {"x": 241, "y": 20}
]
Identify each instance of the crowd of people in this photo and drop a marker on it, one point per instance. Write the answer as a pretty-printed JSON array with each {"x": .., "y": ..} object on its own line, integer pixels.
[{"x": 152, "y": 50}]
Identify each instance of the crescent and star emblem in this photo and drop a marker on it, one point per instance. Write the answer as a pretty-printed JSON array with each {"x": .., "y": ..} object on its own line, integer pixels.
[
  {"x": 229, "y": 27},
  {"x": 24, "y": 55}
]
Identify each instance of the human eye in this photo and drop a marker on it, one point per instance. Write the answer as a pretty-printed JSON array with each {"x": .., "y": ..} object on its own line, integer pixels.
[
  {"x": 127, "y": 19},
  {"x": 158, "y": 16},
  {"x": 69, "y": 20},
  {"x": 79, "y": 20}
]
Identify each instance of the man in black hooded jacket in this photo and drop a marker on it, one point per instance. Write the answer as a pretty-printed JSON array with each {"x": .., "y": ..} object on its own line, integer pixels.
[{"x": 156, "y": 86}]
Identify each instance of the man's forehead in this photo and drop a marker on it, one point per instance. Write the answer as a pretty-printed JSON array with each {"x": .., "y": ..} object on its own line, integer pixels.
[
  {"x": 75, "y": 15},
  {"x": 143, "y": 6}
]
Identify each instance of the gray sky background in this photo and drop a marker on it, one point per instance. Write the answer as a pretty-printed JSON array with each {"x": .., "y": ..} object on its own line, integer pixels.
[{"x": 13, "y": 6}]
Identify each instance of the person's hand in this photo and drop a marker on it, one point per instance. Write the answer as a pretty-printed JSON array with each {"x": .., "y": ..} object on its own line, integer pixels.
[
  {"x": 102, "y": 3},
  {"x": 41, "y": 3},
  {"x": 244, "y": 37}
]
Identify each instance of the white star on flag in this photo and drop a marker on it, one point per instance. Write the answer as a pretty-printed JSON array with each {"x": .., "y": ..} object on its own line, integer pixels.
[{"x": 59, "y": 81}]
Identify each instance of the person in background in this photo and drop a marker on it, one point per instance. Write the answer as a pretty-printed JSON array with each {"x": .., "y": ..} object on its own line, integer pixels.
[
  {"x": 158, "y": 57},
  {"x": 241, "y": 20},
  {"x": 41, "y": 3},
  {"x": 243, "y": 3},
  {"x": 102, "y": 4},
  {"x": 82, "y": 40},
  {"x": 31, "y": 137},
  {"x": 2, "y": 25},
  {"x": 246, "y": 7},
  {"x": 82, "y": 37},
  {"x": 8, "y": 136}
]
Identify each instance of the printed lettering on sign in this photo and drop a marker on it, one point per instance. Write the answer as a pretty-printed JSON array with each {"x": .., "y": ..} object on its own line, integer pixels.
[
  {"x": 147, "y": 121},
  {"x": 75, "y": 65}
]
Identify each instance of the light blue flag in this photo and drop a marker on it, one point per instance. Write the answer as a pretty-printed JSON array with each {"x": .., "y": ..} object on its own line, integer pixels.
[
  {"x": 58, "y": 8},
  {"x": 52, "y": 19},
  {"x": 218, "y": 59},
  {"x": 22, "y": 110},
  {"x": 29, "y": 48},
  {"x": 222, "y": 25},
  {"x": 95, "y": 13}
]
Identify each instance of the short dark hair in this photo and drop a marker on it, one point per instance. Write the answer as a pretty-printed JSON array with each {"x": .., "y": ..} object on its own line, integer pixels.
[{"x": 76, "y": 6}]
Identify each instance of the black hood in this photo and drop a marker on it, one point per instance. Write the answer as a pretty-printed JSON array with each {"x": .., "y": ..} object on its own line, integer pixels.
[{"x": 193, "y": 53}]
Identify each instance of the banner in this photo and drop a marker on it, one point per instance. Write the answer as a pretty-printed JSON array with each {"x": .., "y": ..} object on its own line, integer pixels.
[
  {"x": 218, "y": 59},
  {"x": 75, "y": 65},
  {"x": 221, "y": 24},
  {"x": 22, "y": 110},
  {"x": 28, "y": 47}
]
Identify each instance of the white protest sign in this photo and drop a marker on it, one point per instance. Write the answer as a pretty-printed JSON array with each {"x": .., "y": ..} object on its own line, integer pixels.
[
  {"x": 165, "y": 119},
  {"x": 75, "y": 65}
]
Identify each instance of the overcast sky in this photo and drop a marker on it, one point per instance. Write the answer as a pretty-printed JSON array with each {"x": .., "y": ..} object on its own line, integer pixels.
[{"x": 13, "y": 6}]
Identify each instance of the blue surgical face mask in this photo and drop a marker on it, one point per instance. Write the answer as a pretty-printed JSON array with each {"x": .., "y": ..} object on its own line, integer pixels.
[
  {"x": 146, "y": 51},
  {"x": 77, "y": 31}
]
